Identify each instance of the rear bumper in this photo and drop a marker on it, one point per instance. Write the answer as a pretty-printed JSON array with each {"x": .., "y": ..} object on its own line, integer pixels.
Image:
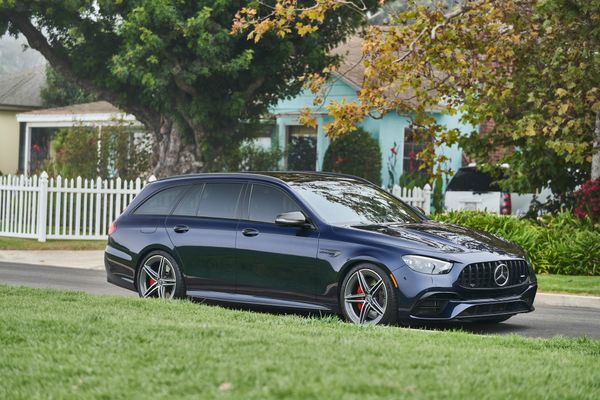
[
  {"x": 118, "y": 269},
  {"x": 450, "y": 305}
]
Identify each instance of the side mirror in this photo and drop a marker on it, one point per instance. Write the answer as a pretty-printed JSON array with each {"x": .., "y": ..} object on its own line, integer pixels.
[{"x": 293, "y": 218}]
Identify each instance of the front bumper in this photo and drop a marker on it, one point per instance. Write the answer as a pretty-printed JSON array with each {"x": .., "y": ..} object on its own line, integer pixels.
[{"x": 452, "y": 305}]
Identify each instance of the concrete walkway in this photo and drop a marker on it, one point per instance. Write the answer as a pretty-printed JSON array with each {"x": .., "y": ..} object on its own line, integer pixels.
[
  {"x": 83, "y": 259},
  {"x": 94, "y": 260}
]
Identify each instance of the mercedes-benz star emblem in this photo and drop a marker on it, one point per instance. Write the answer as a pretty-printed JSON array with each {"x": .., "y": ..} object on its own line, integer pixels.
[{"x": 501, "y": 275}]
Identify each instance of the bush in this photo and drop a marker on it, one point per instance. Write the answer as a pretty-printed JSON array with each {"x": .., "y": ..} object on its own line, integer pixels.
[
  {"x": 355, "y": 153},
  {"x": 587, "y": 200},
  {"x": 252, "y": 157},
  {"x": 556, "y": 244},
  {"x": 121, "y": 153}
]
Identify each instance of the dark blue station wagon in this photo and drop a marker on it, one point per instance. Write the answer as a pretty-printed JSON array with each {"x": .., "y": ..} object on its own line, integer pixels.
[{"x": 312, "y": 241}]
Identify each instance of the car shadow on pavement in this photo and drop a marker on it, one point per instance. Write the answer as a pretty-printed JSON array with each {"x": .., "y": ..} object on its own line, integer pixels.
[{"x": 470, "y": 327}]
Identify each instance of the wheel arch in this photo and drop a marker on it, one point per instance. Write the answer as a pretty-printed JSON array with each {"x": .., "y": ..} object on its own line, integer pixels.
[
  {"x": 355, "y": 261},
  {"x": 149, "y": 249}
]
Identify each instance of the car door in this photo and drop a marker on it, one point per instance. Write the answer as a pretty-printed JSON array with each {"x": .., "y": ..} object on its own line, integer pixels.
[
  {"x": 275, "y": 261},
  {"x": 203, "y": 230}
]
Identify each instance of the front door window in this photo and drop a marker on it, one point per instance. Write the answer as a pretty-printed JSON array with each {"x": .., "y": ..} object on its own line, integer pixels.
[{"x": 301, "y": 148}]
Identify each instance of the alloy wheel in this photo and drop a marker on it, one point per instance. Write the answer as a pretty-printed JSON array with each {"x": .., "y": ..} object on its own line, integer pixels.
[
  {"x": 157, "y": 278},
  {"x": 365, "y": 297}
]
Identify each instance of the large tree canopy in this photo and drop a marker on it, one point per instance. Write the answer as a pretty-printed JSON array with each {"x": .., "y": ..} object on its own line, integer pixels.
[
  {"x": 531, "y": 66},
  {"x": 176, "y": 65}
]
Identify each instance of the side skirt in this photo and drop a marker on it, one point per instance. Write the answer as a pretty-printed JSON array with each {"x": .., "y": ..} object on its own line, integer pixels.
[{"x": 254, "y": 300}]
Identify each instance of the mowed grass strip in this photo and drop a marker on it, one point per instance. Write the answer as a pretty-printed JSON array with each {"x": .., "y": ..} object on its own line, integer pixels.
[
  {"x": 71, "y": 345},
  {"x": 569, "y": 284},
  {"x": 7, "y": 243}
]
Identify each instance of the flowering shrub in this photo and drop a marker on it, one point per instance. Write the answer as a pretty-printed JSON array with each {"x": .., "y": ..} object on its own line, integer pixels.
[
  {"x": 587, "y": 200},
  {"x": 355, "y": 153}
]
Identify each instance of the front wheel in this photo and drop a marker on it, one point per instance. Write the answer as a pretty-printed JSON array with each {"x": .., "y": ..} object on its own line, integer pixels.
[
  {"x": 160, "y": 276},
  {"x": 368, "y": 296}
]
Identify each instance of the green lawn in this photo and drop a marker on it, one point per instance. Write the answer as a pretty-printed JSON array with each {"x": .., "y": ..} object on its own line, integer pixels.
[
  {"x": 7, "y": 243},
  {"x": 71, "y": 345},
  {"x": 569, "y": 284}
]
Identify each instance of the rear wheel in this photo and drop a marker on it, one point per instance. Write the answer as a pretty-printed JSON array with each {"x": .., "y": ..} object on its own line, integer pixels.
[
  {"x": 368, "y": 297},
  {"x": 160, "y": 276}
]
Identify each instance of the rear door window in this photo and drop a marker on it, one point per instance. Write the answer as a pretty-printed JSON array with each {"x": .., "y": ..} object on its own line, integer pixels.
[
  {"x": 220, "y": 200},
  {"x": 188, "y": 206},
  {"x": 162, "y": 202},
  {"x": 267, "y": 202}
]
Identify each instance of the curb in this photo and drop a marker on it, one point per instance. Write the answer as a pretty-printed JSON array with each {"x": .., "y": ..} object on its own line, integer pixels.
[{"x": 567, "y": 300}]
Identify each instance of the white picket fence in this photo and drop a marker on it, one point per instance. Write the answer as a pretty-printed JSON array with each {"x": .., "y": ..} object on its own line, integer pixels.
[
  {"x": 42, "y": 208},
  {"x": 416, "y": 197}
]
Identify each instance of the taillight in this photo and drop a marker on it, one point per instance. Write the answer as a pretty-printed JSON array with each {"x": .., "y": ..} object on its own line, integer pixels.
[
  {"x": 112, "y": 228},
  {"x": 506, "y": 205}
]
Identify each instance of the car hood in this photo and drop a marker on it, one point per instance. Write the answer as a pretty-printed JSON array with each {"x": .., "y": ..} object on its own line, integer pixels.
[{"x": 437, "y": 236}]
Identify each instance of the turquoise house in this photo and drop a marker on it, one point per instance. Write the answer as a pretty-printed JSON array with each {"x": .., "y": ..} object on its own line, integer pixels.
[{"x": 391, "y": 131}]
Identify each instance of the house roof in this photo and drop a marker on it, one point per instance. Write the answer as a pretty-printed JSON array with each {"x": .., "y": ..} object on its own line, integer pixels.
[
  {"x": 23, "y": 89},
  {"x": 89, "y": 114},
  {"x": 97, "y": 107},
  {"x": 352, "y": 69}
]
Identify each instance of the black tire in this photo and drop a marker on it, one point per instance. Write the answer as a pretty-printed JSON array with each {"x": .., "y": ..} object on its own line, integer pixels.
[
  {"x": 149, "y": 284},
  {"x": 351, "y": 295},
  {"x": 494, "y": 320}
]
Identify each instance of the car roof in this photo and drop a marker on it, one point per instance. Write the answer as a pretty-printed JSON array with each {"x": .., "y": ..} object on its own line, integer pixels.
[{"x": 289, "y": 177}]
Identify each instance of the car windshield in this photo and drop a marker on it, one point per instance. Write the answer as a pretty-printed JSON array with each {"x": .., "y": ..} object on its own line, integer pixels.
[{"x": 350, "y": 202}]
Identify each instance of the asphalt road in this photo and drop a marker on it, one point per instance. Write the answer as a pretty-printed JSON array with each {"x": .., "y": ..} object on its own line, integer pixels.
[{"x": 545, "y": 321}]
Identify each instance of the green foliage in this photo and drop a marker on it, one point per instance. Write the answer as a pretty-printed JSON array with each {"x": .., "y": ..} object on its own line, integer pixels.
[
  {"x": 356, "y": 153},
  {"x": 412, "y": 179},
  {"x": 77, "y": 152},
  {"x": 437, "y": 197},
  {"x": 252, "y": 157},
  {"x": 60, "y": 92},
  {"x": 556, "y": 244},
  {"x": 176, "y": 65}
]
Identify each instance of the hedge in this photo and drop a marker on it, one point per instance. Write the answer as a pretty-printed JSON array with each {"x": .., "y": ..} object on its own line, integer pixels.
[{"x": 556, "y": 244}]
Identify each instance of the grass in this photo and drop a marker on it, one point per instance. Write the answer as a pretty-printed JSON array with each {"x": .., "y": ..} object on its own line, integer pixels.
[
  {"x": 569, "y": 284},
  {"x": 72, "y": 345},
  {"x": 7, "y": 243}
]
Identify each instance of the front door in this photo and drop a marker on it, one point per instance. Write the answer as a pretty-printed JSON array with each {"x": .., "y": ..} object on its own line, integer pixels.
[
  {"x": 301, "y": 148},
  {"x": 203, "y": 229},
  {"x": 275, "y": 261}
]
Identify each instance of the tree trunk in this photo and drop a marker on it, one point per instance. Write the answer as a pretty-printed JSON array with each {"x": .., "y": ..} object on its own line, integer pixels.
[
  {"x": 172, "y": 156},
  {"x": 596, "y": 156}
]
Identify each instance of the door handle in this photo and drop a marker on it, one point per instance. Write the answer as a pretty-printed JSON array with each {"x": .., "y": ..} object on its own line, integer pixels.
[
  {"x": 181, "y": 228},
  {"x": 250, "y": 232}
]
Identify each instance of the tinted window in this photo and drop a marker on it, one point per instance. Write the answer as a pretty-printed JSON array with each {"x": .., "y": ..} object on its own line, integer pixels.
[
  {"x": 188, "y": 206},
  {"x": 162, "y": 202},
  {"x": 219, "y": 200},
  {"x": 349, "y": 202},
  {"x": 471, "y": 180},
  {"x": 267, "y": 202}
]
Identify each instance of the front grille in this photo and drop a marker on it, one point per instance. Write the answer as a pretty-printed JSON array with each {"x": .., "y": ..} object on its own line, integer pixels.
[{"x": 481, "y": 275}]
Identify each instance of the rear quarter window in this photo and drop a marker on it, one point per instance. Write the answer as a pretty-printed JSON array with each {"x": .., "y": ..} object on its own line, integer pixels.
[{"x": 161, "y": 203}]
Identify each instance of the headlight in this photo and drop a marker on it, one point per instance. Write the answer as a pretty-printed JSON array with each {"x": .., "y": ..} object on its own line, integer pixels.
[{"x": 426, "y": 265}]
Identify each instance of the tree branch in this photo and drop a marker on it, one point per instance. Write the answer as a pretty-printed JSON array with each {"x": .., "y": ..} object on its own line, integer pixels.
[{"x": 38, "y": 41}]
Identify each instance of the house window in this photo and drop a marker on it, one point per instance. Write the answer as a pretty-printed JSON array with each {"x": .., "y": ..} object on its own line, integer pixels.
[
  {"x": 413, "y": 145},
  {"x": 301, "y": 148}
]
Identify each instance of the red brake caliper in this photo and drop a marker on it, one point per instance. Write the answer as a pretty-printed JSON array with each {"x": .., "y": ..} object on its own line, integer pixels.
[
  {"x": 152, "y": 282},
  {"x": 359, "y": 305}
]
